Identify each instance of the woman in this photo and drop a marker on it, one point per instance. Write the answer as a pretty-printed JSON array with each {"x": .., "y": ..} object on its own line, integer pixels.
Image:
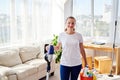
[{"x": 72, "y": 49}]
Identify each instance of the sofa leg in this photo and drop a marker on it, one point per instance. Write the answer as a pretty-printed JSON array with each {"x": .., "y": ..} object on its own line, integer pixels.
[
  {"x": 42, "y": 78},
  {"x": 52, "y": 74}
]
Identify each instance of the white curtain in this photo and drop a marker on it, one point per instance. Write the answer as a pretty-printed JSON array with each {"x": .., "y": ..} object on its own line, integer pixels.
[
  {"x": 30, "y": 21},
  {"x": 47, "y": 18},
  {"x": 33, "y": 21}
]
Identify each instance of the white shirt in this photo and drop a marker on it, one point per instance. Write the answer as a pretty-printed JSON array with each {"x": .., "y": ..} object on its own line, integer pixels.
[{"x": 70, "y": 48}]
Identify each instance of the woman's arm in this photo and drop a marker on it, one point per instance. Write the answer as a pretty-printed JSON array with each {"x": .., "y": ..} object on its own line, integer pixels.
[{"x": 83, "y": 53}]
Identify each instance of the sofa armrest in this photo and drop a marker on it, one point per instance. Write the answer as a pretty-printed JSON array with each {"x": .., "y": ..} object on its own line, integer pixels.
[
  {"x": 11, "y": 75},
  {"x": 10, "y": 72},
  {"x": 3, "y": 71},
  {"x": 3, "y": 77},
  {"x": 7, "y": 73}
]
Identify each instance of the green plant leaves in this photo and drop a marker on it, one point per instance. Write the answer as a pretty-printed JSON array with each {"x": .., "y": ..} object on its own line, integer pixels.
[{"x": 57, "y": 53}]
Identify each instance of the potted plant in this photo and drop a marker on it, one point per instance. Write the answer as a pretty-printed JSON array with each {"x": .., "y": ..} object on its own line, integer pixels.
[{"x": 59, "y": 52}]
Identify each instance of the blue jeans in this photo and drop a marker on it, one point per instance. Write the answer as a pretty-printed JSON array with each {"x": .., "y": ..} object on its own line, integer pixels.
[{"x": 67, "y": 72}]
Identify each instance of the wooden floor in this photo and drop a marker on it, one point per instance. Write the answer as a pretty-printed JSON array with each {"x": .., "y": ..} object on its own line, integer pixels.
[{"x": 56, "y": 76}]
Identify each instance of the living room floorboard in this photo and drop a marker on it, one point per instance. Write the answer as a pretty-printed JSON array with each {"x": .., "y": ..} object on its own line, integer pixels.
[{"x": 56, "y": 76}]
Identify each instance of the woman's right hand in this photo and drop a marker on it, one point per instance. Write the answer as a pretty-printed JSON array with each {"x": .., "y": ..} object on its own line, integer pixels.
[{"x": 57, "y": 47}]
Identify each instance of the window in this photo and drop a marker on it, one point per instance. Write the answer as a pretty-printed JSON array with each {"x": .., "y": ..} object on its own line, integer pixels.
[
  {"x": 82, "y": 13},
  {"x": 118, "y": 25},
  {"x": 93, "y": 18},
  {"x": 27, "y": 21}
]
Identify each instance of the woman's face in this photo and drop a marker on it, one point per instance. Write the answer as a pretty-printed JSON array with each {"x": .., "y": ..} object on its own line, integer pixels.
[{"x": 70, "y": 23}]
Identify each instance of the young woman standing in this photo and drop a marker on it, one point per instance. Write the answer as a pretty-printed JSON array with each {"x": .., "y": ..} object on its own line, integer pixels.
[{"x": 72, "y": 49}]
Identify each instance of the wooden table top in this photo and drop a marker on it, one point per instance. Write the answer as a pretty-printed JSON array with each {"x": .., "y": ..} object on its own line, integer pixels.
[{"x": 105, "y": 47}]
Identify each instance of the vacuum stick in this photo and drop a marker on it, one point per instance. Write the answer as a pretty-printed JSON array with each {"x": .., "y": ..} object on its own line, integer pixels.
[{"x": 48, "y": 58}]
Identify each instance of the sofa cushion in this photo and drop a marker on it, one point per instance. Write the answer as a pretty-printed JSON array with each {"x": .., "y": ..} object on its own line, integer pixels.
[
  {"x": 24, "y": 70},
  {"x": 10, "y": 57},
  {"x": 29, "y": 52},
  {"x": 41, "y": 64}
]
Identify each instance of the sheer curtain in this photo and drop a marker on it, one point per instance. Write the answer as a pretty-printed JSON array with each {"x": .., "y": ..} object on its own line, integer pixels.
[
  {"x": 41, "y": 19},
  {"x": 4, "y": 22},
  {"x": 47, "y": 18},
  {"x": 30, "y": 21}
]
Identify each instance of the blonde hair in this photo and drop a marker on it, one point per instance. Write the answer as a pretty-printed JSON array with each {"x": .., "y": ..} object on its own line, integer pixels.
[{"x": 70, "y": 17}]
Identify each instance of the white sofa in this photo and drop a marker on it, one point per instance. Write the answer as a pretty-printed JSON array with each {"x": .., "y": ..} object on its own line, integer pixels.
[{"x": 23, "y": 63}]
